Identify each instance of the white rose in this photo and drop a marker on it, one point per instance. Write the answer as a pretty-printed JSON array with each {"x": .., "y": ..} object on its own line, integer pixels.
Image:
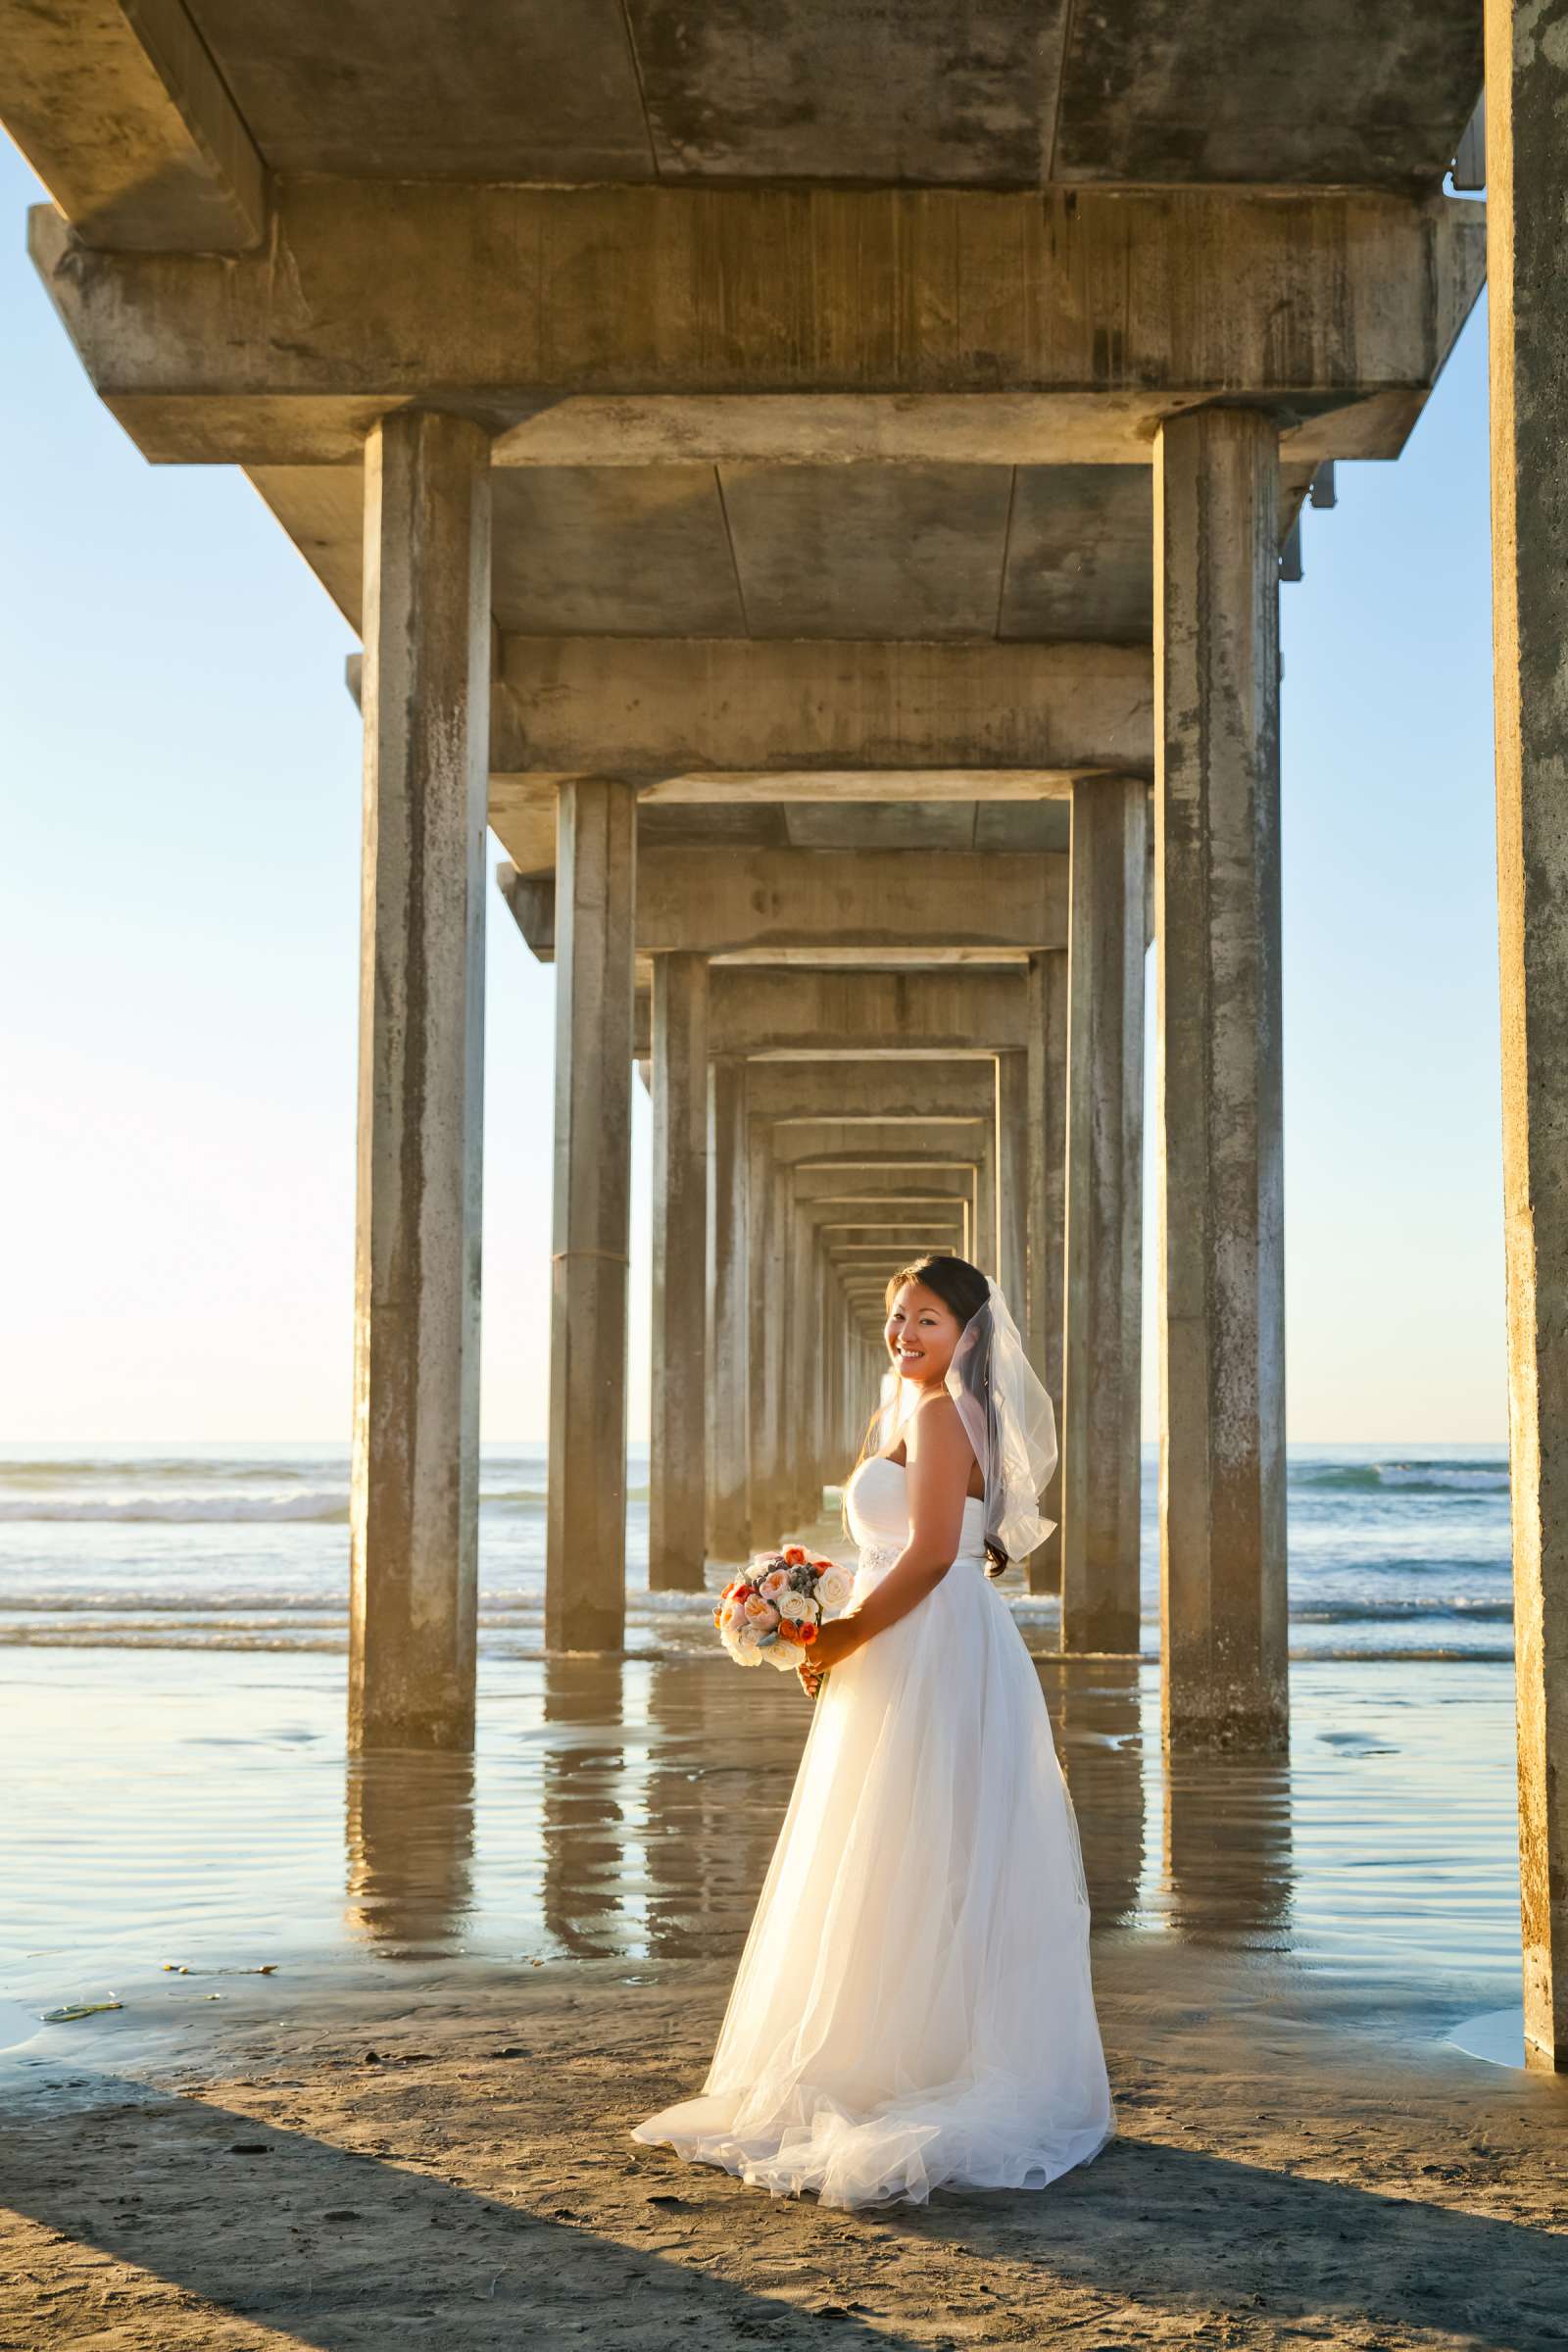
[
  {"x": 834, "y": 1588},
  {"x": 796, "y": 1607},
  {"x": 785, "y": 1655}
]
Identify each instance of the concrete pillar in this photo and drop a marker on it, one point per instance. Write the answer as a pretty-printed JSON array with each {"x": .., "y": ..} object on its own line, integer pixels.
[
  {"x": 678, "y": 1508},
  {"x": 1013, "y": 1181},
  {"x": 766, "y": 1292},
  {"x": 985, "y": 1203},
  {"x": 1217, "y": 938},
  {"x": 801, "y": 1457},
  {"x": 1047, "y": 1212},
  {"x": 585, "y": 1556},
  {"x": 1103, "y": 1322},
  {"x": 728, "y": 1527},
  {"x": 414, "y": 1513},
  {"x": 1526, "y": 285}
]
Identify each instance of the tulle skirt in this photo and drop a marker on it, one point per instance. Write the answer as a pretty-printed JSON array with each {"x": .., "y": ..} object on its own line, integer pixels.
[{"x": 912, "y": 2007}]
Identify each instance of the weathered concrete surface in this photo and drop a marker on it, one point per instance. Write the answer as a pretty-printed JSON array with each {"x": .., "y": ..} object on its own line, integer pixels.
[
  {"x": 768, "y": 1438},
  {"x": 1102, "y": 1297},
  {"x": 1527, "y": 123},
  {"x": 1143, "y": 85},
  {"x": 1004, "y": 93},
  {"x": 723, "y": 902},
  {"x": 1047, "y": 1215},
  {"x": 413, "y": 1513},
  {"x": 726, "y": 708},
  {"x": 1013, "y": 1172},
  {"x": 585, "y": 1568},
  {"x": 522, "y": 815},
  {"x": 728, "y": 1524},
  {"x": 712, "y": 324},
  {"x": 678, "y": 1430},
  {"x": 1217, "y": 890},
  {"x": 119, "y": 111},
  {"x": 877, "y": 1091},
  {"x": 816, "y": 1015}
]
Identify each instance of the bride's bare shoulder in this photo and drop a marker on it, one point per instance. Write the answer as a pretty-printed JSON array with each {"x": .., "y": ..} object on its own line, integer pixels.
[{"x": 936, "y": 1428}]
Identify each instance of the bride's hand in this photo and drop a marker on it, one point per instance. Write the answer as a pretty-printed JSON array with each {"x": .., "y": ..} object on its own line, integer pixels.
[{"x": 833, "y": 1645}]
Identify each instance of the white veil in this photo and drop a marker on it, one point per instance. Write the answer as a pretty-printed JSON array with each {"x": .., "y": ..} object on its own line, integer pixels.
[{"x": 1007, "y": 1415}]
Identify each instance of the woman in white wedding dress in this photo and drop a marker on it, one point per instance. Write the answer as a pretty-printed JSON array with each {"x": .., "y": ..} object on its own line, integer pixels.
[{"x": 912, "y": 2008}]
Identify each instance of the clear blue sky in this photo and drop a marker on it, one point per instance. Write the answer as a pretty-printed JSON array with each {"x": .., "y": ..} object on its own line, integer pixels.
[{"x": 179, "y": 936}]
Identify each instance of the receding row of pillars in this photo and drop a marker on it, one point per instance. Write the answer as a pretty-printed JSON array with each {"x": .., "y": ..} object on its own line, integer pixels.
[{"x": 1055, "y": 1150}]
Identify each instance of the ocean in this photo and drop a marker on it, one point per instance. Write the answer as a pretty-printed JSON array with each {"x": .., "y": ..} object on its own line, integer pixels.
[{"x": 1394, "y": 1552}]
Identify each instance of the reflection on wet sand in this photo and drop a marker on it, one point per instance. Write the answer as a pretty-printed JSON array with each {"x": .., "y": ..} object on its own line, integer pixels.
[
  {"x": 1228, "y": 1872},
  {"x": 625, "y": 1810},
  {"x": 1097, "y": 1715},
  {"x": 409, "y": 1826}
]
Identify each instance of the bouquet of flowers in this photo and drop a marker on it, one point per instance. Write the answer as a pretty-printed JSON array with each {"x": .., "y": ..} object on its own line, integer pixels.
[{"x": 773, "y": 1611}]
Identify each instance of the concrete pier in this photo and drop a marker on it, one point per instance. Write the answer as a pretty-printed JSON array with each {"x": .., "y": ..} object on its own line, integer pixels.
[
  {"x": 585, "y": 1563},
  {"x": 414, "y": 1511},
  {"x": 882, "y": 489},
  {"x": 1217, "y": 933},
  {"x": 1102, "y": 1330},
  {"x": 678, "y": 1448},
  {"x": 1527, "y": 105}
]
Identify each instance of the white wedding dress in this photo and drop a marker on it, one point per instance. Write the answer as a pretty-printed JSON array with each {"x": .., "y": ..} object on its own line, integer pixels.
[{"x": 912, "y": 2007}]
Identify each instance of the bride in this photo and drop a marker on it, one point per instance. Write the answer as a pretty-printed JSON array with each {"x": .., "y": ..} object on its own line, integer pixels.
[{"x": 912, "y": 2008}]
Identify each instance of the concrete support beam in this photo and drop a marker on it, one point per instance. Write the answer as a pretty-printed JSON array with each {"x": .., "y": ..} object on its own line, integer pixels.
[
  {"x": 585, "y": 1562},
  {"x": 727, "y": 901},
  {"x": 823, "y": 1015},
  {"x": 1217, "y": 930},
  {"x": 1045, "y": 1215},
  {"x": 727, "y": 718},
  {"x": 1527, "y": 105},
  {"x": 1102, "y": 1388},
  {"x": 414, "y": 1513},
  {"x": 728, "y": 1524},
  {"x": 880, "y": 1090},
  {"x": 121, "y": 112},
  {"x": 678, "y": 1451},
  {"x": 826, "y": 323}
]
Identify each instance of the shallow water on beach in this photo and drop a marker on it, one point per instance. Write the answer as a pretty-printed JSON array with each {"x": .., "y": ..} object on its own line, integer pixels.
[
  {"x": 1395, "y": 1551},
  {"x": 198, "y": 1810}
]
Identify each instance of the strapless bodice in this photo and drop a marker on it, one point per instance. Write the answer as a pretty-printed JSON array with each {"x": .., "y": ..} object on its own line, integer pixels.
[{"x": 876, "y": 1504}]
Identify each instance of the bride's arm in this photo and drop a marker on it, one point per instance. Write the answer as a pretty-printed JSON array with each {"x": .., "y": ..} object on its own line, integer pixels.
[{"x": 939, "y": 1459}]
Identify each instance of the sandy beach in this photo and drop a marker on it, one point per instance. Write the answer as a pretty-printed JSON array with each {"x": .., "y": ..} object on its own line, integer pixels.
[{"x": 414, "y": 2127}]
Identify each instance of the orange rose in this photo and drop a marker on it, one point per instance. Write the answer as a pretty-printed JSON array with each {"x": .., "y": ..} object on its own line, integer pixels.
[
  {"x": 807, "y": 1633},
  {"x": 788, "y": 1632},
  {"x": 795, "y": 1556}
]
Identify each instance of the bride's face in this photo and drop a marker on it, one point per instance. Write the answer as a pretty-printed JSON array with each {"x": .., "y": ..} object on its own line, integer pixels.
[{"x": 921, "y": 1334}]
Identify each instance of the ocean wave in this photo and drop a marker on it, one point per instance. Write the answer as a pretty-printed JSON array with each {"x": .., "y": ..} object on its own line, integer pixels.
[
  {"x": 1406, "y": 1478},
  {"x": 1477, "y": 1609},
  {"x": 149, "y": 1510},
  {"x": 188, "y": 1469}
]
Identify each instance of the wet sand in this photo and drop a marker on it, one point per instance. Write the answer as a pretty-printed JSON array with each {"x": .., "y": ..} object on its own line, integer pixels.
[{"x": 416, "y": 2128}]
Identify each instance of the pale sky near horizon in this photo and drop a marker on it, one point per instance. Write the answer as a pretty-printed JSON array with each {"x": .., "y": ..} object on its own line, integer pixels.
[{"x": 180, "y": 921}]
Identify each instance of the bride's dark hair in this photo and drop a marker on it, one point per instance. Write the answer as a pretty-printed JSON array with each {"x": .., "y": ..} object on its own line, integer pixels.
[{"x": 963, "y": 1290}]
